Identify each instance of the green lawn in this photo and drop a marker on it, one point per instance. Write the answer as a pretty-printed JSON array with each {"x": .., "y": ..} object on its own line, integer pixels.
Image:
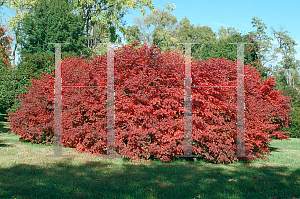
[{"x": 26, "y": 173}]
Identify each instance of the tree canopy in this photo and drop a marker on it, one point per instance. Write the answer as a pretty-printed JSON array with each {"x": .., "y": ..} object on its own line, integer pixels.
[
  {"x": 106, "y": 14},
  {"x": 42, "y": 26}
]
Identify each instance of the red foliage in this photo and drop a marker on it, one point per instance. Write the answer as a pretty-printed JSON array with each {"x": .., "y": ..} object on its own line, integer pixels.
[
  {"x": 4, "y": 45},
  {"x": 149, "y": 107}
]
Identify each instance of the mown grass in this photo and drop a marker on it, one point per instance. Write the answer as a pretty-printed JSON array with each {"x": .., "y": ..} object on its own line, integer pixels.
[{"x": 26, "y": 173}]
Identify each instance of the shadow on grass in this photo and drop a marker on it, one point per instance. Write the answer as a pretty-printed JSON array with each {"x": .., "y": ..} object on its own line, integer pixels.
[
  {"x": 2, "y": 115},
  {"x": 3, "y": 123},
  {"x": 273, "y": 149},
  {"x": 2, "y": 144},
  {"x": 104, "y": 180}
]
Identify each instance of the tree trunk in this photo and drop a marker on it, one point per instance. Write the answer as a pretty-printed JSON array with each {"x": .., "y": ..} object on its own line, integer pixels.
[
  {"x": 88, "y": 17},
  {"x": 14, "y": 54},
  {"x": 14, "y": 57},
  {"x": 287, "y": 78},
  {"x": 15, "y": 48},
  {"x": 92, "y": 24}
]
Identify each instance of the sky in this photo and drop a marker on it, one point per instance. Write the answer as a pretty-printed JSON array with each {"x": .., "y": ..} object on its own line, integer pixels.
[{"x": 227, "y": 13}]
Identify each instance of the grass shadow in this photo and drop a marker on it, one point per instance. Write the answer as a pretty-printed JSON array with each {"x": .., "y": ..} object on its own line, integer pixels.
[
  {"x": 62, "y": 178},
  {"x": 3, "y": 144},
  {"x": 3, "y": 123},
  {"x": 2, "y": 115},
  {"x": 274, "y": 149},
  {"x": 103, "y": 180}
]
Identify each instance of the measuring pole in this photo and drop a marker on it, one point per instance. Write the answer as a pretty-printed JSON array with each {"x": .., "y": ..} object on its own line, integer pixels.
[
  {"x": 58, "y": 104},
  {"x": 110, "y": 103},
  {"x": 188, "y": 148},
  {"x": 188, "y": 119},
  {"x": 240, "y": 102}
]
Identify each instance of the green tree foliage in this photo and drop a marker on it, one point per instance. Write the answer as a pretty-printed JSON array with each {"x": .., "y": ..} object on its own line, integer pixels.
[
  {"x": 108, "y": 13},
  {"x": 51, "y": 22},
  {"x": 222, "y": 47},
  {"x": 189, "y": 33},
  {"x": 156, "y": 29},
  {"x": 104, "y": 18},
  {"x": 104, "y": 15},
  {"x": 286, "y": 47},
  {"x": 163, "y": 31},
  {"x": 20, "y": 9},
  {"x": 132, "y": 34},
  {"x": 5, "y": 45},
  {"x": 265, "y": 51},
  {"x": 39, "y": 27},
  {"x": 289, "y": 91},
  {"x": 11, "y": 84},
  {"x": 287, "y": 74},
  {"x": 17, "y": 79}
]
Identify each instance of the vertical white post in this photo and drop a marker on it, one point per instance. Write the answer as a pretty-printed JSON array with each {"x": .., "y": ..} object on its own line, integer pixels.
[
  {"x": 110, "y": 103},
  {"x": 240, "y": 103},
  {"x": 188, "y": 148},
  {"x": 188, "y": 116},
  {"x": 58, "y": 104}
]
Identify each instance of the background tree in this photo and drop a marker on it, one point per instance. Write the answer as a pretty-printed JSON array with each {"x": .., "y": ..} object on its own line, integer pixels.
[
  {"x": 156, "y": 29},
  {"x": 20, "y": 9},
  {"x": 221, "y": 48},
  {"x": 5, "y": 46},
  {"x": 132, "y": 34},
  {"x": 287, "y": 74},
  {"x": 164, "y": 28},
  {"x": 106, "y": 13},
  {"x": 224, "y": 33},
  {"x": 189, "y": 33},
  {"x": 42, "y": 26},
  {"x": 5, "y": 67},
  {"x": 286, "y": 47},
  {"x": 265, "y": 51},
  {"x": 39, "y": 27},
  {"x": 34, "y": 15},
  {"x": 105, "y": 17},
  {"x": 164, "y": 31}
]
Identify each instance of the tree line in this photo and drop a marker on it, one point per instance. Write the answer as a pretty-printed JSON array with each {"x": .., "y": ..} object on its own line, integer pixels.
[{"x": 84, "y": 23}]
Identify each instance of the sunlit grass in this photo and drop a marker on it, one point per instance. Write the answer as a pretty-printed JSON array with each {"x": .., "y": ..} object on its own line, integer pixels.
[{"x": 26, "y": 173}]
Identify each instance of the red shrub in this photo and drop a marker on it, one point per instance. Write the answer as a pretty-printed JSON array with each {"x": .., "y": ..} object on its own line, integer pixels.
[{"x": 149, "y": 107}]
